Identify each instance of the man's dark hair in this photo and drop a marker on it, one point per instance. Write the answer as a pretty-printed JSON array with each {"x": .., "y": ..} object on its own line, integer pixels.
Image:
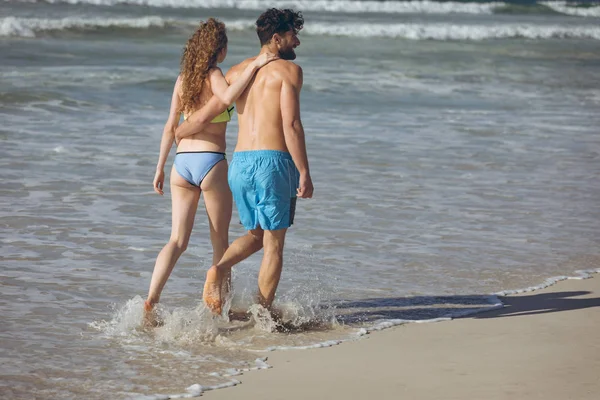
[{"x": 275, "y": 21}]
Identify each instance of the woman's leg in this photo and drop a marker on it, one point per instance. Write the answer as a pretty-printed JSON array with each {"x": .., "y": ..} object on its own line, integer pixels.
[
  {"x": 184, "y": 204},
  {"x": 219, "y": 203}
]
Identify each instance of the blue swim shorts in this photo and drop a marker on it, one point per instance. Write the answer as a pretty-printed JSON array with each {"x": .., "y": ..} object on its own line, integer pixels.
[{"x": 264, "y": 183}]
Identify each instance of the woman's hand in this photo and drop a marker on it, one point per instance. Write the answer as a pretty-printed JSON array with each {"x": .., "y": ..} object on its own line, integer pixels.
[
  {"x": 159, "y": 181},
  {"x": 264, "y": 59}
]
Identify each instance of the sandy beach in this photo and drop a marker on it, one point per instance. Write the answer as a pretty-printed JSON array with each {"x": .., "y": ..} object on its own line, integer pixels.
[{"x": 541, "y": 345}]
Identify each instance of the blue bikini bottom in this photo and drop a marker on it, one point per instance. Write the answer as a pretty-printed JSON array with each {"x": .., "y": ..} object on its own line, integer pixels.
[{"x": 193, "y": 166}]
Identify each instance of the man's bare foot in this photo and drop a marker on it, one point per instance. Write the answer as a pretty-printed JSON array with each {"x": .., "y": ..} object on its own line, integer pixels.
[
  {"x": 239, "y": 315},
  {"x": 276, "y": 314},
  {"x": 212, "y": 290}
]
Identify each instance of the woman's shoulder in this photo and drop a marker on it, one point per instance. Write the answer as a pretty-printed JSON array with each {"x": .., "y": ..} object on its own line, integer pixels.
[
  {"x": 215, "y": 70},
  {"x": 214, "y": 73},
  {"x": 179, "y": 84}
]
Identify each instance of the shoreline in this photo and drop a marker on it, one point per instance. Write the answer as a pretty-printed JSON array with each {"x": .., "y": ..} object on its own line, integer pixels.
[{"x": 470, "y": 342}]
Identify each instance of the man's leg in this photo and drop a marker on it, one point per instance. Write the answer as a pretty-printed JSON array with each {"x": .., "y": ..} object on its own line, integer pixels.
[
  {"x": 271, "y": 266},
  {"x": 239, "y": 250}
]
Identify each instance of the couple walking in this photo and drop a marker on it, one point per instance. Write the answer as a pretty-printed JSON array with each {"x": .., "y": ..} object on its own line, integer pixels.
[{"x": 269, "y": 168}]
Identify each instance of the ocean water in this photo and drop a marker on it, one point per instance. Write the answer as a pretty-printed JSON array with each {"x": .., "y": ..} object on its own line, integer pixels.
[{"x": 454, "y": 147}]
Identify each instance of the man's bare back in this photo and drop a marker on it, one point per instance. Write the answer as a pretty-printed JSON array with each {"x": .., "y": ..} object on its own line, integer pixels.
[{"x": 260, "y": 113}]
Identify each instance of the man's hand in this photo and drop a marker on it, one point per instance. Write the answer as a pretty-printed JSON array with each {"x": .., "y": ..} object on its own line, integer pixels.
[
  {"x": 188, "y": 129},
  {"x": 200, "y": 119},
  {"x": 305, "y": 191},
  {"x": 178, "y": 137},
  {"x": 159, "y": 181}
]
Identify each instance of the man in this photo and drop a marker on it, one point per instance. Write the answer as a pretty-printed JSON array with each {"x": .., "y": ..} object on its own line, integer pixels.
[{"x": 269, "y": 168}]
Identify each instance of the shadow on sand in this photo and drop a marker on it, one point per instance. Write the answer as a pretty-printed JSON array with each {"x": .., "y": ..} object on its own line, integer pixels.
[
  {"x": 430, "y": 307},
  {"x": 420, "y": 308},
  {"x": 542, "y": 303}
]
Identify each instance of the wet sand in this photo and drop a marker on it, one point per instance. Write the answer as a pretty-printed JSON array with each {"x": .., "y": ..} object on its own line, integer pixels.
[{"x": 541, "y": 345}]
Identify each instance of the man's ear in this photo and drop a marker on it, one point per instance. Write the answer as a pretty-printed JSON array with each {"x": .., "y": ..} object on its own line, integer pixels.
[{"x": 277, "y": 39}]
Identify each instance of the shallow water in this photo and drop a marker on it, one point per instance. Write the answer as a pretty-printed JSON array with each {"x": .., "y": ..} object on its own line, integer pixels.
[{"x": 454, "y": 148}]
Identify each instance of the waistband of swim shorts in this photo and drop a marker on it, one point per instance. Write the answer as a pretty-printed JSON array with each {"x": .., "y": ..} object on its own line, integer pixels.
[{"x": 256, "y": 154}]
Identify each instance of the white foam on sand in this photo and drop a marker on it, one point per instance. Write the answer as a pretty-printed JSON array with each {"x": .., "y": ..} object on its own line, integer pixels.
[
  {"x": 493, "y": 299},
  {"x": 197, "y": 389},
  {"x": 328, "y": 343},
  {"x": 581, "y": 274}
]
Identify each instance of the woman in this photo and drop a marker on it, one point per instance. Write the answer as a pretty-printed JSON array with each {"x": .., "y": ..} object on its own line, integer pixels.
[{"x": 200, "y": 165}]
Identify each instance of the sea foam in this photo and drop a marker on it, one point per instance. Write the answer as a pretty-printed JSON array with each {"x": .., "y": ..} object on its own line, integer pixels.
[
  {"x": 564, "y": 8},
  {"x": 33, "y": 27},
  {"x": 338, "y": 6},
  {"x": 446, "y": 31},
  {"x": 347, "y": 6},
  {"x": 494, "y": 300}
]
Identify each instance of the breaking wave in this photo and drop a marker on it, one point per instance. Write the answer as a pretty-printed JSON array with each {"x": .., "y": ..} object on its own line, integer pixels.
[
  {"x": 367, "y": 6},
  {"x": 33, "y": 27}
]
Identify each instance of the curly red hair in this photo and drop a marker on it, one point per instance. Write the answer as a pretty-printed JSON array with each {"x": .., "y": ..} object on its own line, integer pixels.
[{"x": 199, "y": 56}]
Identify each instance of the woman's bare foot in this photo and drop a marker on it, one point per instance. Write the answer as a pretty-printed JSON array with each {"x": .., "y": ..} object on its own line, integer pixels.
[
  {"x": 212, "y": 290},
  {"x": 150, "y": 319}
]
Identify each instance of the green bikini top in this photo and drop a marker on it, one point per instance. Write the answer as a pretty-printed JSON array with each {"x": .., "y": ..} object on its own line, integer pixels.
[{"x": 225, "y": 116}]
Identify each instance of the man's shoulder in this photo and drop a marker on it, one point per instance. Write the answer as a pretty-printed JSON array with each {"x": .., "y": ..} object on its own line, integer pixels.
[
  {"x": 288, "y": 70},
  {"x": 242, "y": 65},
  {"x": 287, "y": 65},
  {"x": 238, "y": 68}
]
